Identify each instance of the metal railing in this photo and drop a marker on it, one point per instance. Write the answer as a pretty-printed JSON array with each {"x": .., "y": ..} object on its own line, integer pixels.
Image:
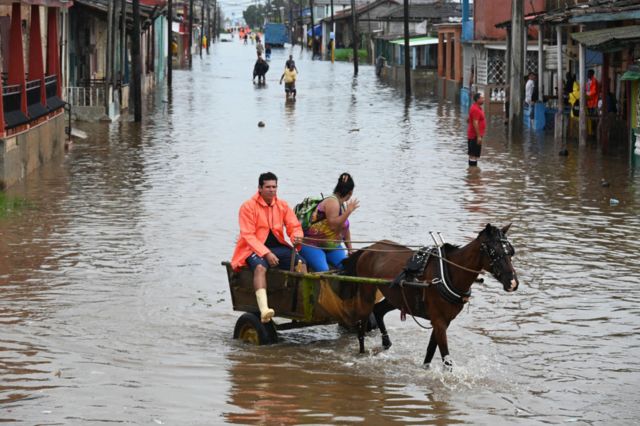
[{"x": 86, "y": 96}]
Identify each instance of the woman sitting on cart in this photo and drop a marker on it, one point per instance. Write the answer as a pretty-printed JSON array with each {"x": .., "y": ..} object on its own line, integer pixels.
[{"x": 328, "y": 238}]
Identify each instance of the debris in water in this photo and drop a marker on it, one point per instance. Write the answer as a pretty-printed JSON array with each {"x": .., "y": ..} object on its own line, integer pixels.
[
  {"x": 261, "y": 124},
  {"x": 354, "y": 130}
]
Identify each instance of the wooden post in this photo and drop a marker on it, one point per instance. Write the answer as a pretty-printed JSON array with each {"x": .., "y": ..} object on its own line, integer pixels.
[
  {"x": 333, "y": 30},
  {"x": 441, "y": 54},
  {"x": 559, "y": 122},
  {"x": 16, "y": 55},
  {"x": 507, "y": 59},
  {"x": 53, "y": 53},
  {"x": 448, "y": 61},
  {"x": 36, "y": 67},
  {"x": 313, "y": 38},
  {"x": 170, "y": 43},
  {"x": 540, "y": 64},
  {"x": 190, "y": 31},
  {"x": 123, "y": 43},
  {"x": 208, "y": 26},
  {"x": 114, "y": 42},
  {"x": 407, "y": 50},
  {"x": 517, "y": 59},
  {"x": 1, "y": 106},
  {"x": 109, "y": 57},
  {"x": 137, "y": 62},
  {"x": 354, "y": 35},
  {"x": 201, "y": 26},
  {"x": 582, "y": 132},
  {"x": 603, "y": 117}
]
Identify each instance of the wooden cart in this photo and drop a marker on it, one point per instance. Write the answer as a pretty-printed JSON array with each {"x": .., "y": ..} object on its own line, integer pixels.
[{"x": 297, "y": 297}]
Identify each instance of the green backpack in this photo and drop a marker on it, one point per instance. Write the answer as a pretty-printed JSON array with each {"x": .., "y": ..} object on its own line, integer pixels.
[{"x": 304, "y": 210}]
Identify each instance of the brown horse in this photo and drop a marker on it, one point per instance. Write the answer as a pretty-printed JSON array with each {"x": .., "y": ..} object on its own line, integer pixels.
[{"x": 428, "y": 298}]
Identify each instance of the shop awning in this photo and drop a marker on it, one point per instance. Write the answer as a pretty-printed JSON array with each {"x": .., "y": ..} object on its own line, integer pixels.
[
  {"x": 417, "y": 41},
  {"x": 631, "y": 75},
  {"x": 609, "y": 39}
]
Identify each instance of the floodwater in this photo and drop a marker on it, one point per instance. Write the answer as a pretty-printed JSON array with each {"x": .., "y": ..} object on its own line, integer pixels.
[{"x": 114, "y": 307}]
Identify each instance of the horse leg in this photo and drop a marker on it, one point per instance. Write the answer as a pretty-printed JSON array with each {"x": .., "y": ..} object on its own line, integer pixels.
[
  {"x": 431, "y": 350},
  {"x": 439, "y": 335},
  {"x": 443, "y": 345},
  {"x": 379, "y": 311},
  {"x": 362, "y": 326}
]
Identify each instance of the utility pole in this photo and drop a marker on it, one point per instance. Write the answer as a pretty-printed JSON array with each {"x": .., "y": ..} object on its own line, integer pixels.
[
  {"x": 170, "y": 42},
  {"x": 407, "y": 52},
  {"x": 201, "y": 27},
  {"x": 208, "y": 25},
  {"x": 333, "y": 40},
  {"x": 123, "y": 42},
  {"x": 137, "y": 62},
  {"x": 313, "y": 38},
  {"x": 354, "y": 35},
  {"x": 190, "y": 32},
  {"x": 517, "y": 60},
  {"x": 109, "y": 58}
]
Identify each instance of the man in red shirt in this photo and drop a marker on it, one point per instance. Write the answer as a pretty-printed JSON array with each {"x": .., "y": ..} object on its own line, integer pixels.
[{"x": 475, "y": 130}]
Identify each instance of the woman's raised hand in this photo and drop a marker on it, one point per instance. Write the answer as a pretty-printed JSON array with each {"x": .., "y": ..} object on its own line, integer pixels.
[{"x": 352, "y": 204}]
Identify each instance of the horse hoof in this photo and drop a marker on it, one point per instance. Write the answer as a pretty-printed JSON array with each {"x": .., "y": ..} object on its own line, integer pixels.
[
  {"x": 426, "y": 366},
  {"x": 448, "y": 363},
  {"x": 386, "y": 342}
]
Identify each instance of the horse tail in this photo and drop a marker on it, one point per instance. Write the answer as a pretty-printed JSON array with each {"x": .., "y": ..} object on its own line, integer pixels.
[{"x": 349, "y": 264}]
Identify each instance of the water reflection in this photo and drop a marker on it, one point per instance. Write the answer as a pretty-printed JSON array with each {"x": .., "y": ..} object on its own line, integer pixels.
[
  {"x": 294, "y": 391},
  {"x": 113, "y": 280}
]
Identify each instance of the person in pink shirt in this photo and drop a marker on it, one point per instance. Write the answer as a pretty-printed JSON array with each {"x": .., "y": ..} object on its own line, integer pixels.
[{"x": 475, "y": 130}]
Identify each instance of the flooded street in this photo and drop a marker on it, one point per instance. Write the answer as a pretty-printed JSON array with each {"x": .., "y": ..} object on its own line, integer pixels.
[{"x": 115, "y": 308}]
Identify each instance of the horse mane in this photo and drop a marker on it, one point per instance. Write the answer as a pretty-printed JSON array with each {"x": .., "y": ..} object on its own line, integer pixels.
[{"x": 450, "y": 247}]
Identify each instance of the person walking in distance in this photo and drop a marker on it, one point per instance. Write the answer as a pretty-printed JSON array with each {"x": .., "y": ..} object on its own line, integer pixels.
[{"x": 475, "y": 129}]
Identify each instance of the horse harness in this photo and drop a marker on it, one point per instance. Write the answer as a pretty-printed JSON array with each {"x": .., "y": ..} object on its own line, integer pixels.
[
  {"x": 415, "y": 269},
  {"x": 494, "y": 256}
]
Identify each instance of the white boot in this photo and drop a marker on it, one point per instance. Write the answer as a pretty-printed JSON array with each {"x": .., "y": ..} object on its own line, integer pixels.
[{"x": 266, "y": 313}]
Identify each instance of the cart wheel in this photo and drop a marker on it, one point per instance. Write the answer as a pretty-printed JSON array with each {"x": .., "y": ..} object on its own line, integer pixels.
[{"x": 250, "y": 329}]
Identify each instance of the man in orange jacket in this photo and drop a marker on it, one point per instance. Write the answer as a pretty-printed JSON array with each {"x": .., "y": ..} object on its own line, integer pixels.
[
  {"x": 261, "y": 243},
  {"x": 592, "y": 92}
]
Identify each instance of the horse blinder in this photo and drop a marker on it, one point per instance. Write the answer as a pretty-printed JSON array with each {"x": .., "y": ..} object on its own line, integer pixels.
[{"x": 495, "y": 257}]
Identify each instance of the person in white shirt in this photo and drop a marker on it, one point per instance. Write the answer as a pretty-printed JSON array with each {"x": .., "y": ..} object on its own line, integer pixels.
[{"x": 529, "y": 89}]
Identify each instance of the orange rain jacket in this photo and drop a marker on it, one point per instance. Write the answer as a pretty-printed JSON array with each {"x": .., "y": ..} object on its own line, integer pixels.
[
  {"x": 592, "y": 93},
  {"x": 256, "y": 219}
]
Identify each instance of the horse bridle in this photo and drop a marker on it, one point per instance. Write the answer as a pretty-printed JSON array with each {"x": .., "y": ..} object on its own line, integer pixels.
[{"x": 494, "y": 256}]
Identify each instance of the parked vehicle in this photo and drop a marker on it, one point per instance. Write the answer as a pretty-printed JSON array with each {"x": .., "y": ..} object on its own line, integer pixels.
[{"x": 275, "y": 35}]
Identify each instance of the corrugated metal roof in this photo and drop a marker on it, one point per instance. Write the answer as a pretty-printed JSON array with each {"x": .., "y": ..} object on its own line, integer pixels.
[
  {"x": 609, "y": 38},
  {"x": 600, "y": 10}
]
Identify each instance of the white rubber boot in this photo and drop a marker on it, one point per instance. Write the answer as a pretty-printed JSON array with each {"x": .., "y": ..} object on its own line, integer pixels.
[{"x": 266, "y": 313}]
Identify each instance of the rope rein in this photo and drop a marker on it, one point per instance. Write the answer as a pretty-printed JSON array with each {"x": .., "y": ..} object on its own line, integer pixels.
[
  {"x": 402, "y": 249},
  {"x": 404, "y": 297}
]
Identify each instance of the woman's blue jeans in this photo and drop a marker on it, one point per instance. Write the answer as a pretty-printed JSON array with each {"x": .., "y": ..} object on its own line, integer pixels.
[{"x": 319, "y": 259}]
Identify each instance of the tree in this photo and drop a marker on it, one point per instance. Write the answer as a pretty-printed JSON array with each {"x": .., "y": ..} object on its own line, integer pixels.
[{"x": 254, "y": 15}]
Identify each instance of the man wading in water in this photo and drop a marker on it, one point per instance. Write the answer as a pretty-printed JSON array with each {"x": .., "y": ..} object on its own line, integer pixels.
[
  {"x": 475, "y": 130},
  {"x": 261, "y": 243}
]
